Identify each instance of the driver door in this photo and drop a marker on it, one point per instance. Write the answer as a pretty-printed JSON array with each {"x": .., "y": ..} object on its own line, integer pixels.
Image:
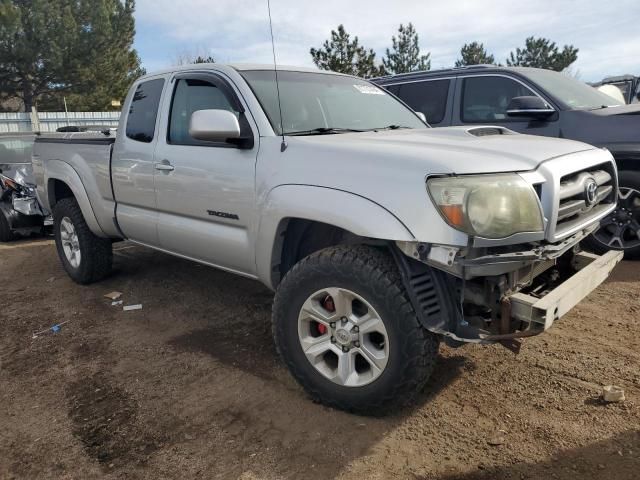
[{"x": 205, "y": 191}]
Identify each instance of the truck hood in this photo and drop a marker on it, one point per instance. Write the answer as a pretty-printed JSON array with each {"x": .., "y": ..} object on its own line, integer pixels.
[
  {"x": 616, "y": 128},
  {"x": 459, "y": 150},
  {"x": 389, "y": 168}
]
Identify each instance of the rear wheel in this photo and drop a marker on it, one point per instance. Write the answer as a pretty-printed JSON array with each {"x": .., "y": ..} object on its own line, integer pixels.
[
  {"x": 621, "y": 229},
  {"x": 85, "y": 257},
  {"x": 344, "y": 326},
  {"x": 6, "y": 235}
]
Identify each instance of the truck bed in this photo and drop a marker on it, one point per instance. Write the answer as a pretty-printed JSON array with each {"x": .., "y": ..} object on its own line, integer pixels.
[{"x": 89, "y": 156}]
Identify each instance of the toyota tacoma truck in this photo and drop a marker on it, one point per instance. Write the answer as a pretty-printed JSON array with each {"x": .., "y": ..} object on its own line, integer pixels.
[{"x": 381, "y": 236}]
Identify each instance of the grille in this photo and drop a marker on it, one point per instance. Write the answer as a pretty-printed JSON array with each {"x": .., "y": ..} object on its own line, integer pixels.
[{"x": 583, "y": 195}]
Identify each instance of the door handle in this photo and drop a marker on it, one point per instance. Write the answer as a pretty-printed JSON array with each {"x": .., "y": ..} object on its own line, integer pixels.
[{"x": 165, "y": 167}]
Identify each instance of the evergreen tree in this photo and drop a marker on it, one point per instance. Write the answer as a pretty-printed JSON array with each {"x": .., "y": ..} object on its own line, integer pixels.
[
  {"x": 341, "y": 54},
  {"x": 474, "y": 53},
  {"x": 79, "y": 49},
  {"x": 543, "y": 53},
  {"x": 35, "y": 40},
  {"x": 405, "y": 55},
  {"x": 193, "y": 55},
  {"x": 207, "y": 59}
]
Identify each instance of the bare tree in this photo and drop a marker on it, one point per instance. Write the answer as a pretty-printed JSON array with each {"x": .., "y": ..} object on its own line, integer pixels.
[{"x": 198, "y": 54}]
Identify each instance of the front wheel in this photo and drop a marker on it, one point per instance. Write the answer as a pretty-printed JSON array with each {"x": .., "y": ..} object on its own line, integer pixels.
[
  {"x": 344, "y": 326},
  {"x": 621, "y": 229},
  {"x": 85, "y": 257},
  {"x": 6, "y": 235}
]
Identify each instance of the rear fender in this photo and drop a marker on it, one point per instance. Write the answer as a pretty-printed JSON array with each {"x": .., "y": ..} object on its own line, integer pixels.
[{"x": 59, "y": 170}]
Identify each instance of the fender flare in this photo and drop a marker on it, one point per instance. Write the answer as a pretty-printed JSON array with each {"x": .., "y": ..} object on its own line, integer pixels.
[
  {"x": 59, "y": 170},
  {"x": 351, "y": 212}
]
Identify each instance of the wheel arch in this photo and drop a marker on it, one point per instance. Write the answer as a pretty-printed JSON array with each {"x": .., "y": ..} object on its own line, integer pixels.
[
  {"x": 63, "y": 182},
  {"x": 297, "y": 220}
]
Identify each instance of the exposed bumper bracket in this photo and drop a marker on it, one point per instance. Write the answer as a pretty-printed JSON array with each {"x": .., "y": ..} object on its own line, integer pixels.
[{"x": 542, "y": 312}]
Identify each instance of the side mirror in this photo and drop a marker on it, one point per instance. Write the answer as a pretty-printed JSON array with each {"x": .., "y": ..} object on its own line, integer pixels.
[
  {"x": 532, "y": 107},
  {"x": 422, "y": 116},
  {"x": 214, "y": 125}
]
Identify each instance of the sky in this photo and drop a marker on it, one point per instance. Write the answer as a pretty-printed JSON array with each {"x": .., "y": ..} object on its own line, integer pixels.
[{"x": 607, "y": 33}]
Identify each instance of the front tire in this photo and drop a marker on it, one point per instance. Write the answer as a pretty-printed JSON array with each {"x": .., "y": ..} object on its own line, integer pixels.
[
  {"x": 343, "y": 324},
  {"x": 85, "y": 257},
  {"x": 621, "y": 229},
  {"x": 6, "y": 235}
]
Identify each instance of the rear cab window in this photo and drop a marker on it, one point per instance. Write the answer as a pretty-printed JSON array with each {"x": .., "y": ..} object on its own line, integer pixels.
[{"x": 143, "y": 111}]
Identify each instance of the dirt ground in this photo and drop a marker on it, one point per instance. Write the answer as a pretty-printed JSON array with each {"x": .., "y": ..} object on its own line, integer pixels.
[{"x": 190, "y": 387}]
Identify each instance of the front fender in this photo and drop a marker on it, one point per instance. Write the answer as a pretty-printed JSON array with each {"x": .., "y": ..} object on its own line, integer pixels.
[
  {"x": 59, "y": 170},
  {"x": 345, "y": 210}
]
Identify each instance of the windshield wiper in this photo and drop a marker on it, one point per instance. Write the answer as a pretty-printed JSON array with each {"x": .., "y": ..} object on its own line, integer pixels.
[
  {"x": 324, "y": 131},
  {"x": 389, "y": 127}
]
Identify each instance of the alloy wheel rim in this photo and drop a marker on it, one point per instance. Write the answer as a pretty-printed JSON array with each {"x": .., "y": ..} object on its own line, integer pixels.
[
  {"x": 621, "y": 229},
  {"x": 343, "y": 337},
  {"x": 70, "y": 242}
]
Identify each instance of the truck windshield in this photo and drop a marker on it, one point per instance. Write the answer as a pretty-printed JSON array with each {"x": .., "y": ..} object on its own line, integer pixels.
[
  {"x": 573, "y": 93},
  {"x": 319, "y": 103}
]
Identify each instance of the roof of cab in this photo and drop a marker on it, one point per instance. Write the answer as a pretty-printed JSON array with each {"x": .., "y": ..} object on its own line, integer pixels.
[
  {"x": 448, "y": 72},
  {"x": 240, "y": 67}
]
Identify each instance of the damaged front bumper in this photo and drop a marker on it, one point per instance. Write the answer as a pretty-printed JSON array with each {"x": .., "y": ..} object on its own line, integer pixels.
[
  {"x": 23, "y": 212},
  {"x": 470, "y": 263},
  {"x": 539, "y": 312},
  {"x": 500, "y": 296},
  {"x": 27, "y": 205}
]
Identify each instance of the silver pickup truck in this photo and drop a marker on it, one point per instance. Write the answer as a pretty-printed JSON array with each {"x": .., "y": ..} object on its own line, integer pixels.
[{"x": 381, "y": 236}]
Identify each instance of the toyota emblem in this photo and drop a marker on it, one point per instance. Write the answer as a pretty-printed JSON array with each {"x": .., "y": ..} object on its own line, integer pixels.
[{"x": 591, "y": 191}]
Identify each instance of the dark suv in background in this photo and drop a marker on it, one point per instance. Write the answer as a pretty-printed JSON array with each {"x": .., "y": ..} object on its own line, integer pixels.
[{"x": 538, "y": 102}]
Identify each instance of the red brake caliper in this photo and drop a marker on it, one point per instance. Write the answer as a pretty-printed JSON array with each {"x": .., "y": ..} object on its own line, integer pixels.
[{"x": 329, "y": 306}]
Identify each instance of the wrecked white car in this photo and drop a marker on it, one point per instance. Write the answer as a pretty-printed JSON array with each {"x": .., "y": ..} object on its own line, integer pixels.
[{"x": 20, "y": 210}]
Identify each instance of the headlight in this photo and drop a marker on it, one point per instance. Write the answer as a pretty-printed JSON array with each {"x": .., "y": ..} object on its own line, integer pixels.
[
  {"x": 9, "y": 183},
  {"x": 489, "y": 206},
  {"x": 17, "y": 184}
]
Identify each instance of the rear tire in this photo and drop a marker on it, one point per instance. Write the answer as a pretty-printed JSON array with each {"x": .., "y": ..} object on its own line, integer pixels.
[
  {"x": 6, "y": 235},
  {"x": 406, "y": 352},
  {"x": 621, "y": 230},
  {"x": 85, "y": 257}
]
